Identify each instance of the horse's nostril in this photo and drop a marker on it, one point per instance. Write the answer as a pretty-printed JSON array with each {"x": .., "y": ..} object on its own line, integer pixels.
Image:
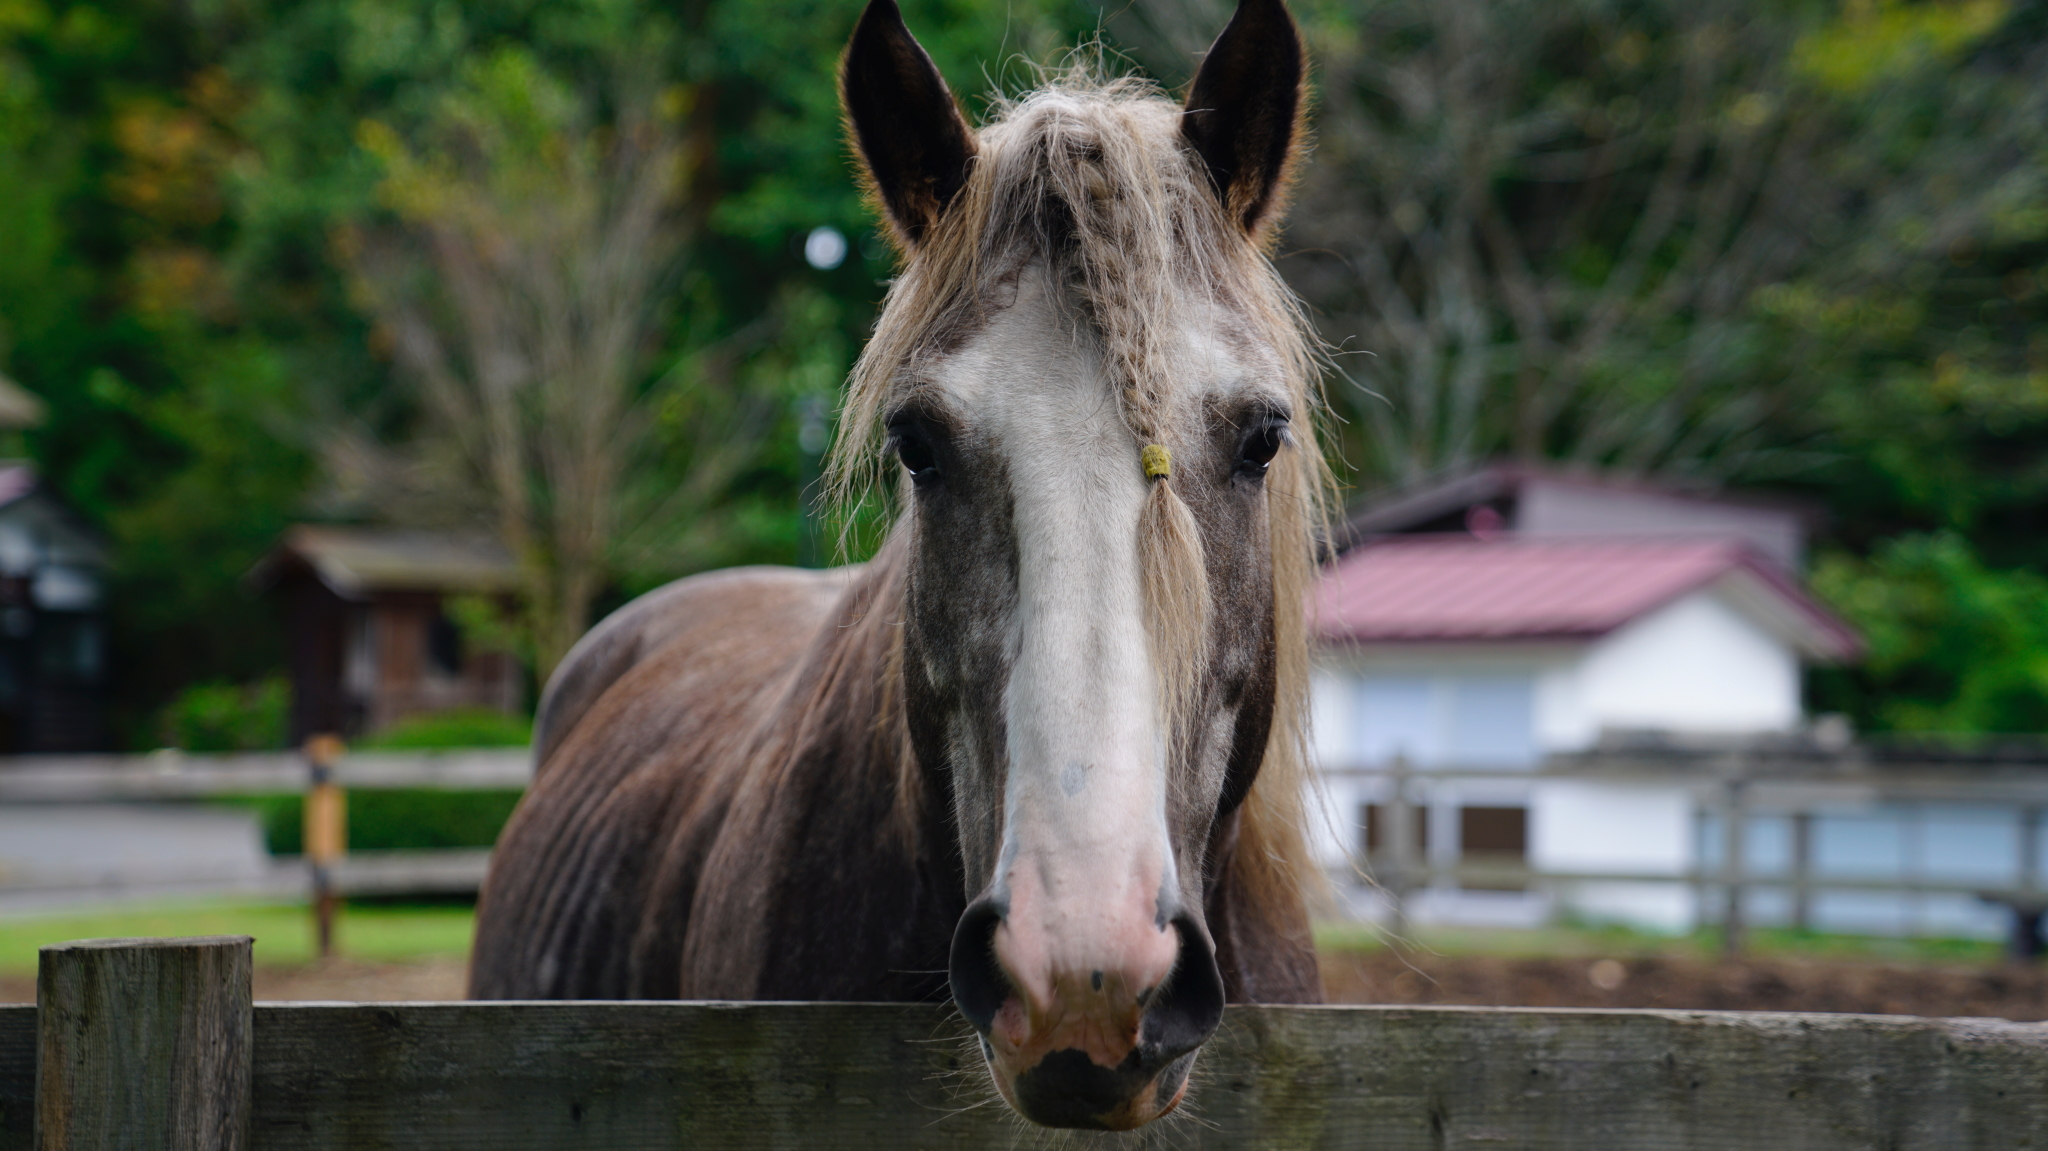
[
  {"x": 1184, "y": 1011},
  {"x": 979, "y": 985}
]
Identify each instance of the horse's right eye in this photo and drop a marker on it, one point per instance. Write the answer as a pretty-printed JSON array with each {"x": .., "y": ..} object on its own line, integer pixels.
[{"x": 917, "y": 457}]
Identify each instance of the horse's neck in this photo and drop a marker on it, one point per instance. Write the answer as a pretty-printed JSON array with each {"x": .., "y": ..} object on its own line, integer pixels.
[
  {"x": 845, "y": 889},
  {"x": 844, "y": 717},
  {"x": 840, "y": 732}
]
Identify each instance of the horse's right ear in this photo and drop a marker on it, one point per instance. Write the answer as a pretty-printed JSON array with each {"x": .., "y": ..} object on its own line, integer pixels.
[{"x": 911, "y": 136}]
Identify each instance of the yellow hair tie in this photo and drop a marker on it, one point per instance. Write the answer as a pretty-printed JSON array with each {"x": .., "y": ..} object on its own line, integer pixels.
[{"x": 1156, "y": 461}]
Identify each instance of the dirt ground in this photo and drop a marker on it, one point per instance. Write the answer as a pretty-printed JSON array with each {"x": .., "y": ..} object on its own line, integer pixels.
[
  {"x": 1419, "y": 977},
  {"x": 1766, "y": 984}
]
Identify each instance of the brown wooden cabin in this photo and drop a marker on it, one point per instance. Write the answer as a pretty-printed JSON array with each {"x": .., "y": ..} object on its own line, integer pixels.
[{"x": 369, "y": 636}]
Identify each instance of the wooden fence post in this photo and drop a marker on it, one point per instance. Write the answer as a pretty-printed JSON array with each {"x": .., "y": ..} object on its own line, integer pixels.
[
  {"x": 1802, "y": 870},
  {"x": 1735, "y": 817},
  {"x": 1403, "y": 853},
  {"x": 326, "y": 833},
  {"x": 144, "y": 1044}
]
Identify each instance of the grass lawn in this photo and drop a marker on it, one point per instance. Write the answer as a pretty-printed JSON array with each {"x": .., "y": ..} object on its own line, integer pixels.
[
  {"x": 283, "y": 931},
  {"x": 1622, "y": 942}
]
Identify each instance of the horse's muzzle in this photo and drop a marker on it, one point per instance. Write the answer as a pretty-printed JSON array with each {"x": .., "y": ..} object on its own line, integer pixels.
[{"x": 1093, "y": 1054}]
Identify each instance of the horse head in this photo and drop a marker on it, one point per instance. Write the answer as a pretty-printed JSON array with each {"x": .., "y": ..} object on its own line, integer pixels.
[{"x": 1100, "y": 397}]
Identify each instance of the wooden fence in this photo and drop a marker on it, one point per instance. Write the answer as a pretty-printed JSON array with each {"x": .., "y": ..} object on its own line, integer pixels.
[
  {"x": 322, "y": 774},
  {"x": 1740, "y": 780},
  {"x": 175, "y": 775},
  {"x": 1735, "y": 784},
  {"x": 155, "y": 1044}
]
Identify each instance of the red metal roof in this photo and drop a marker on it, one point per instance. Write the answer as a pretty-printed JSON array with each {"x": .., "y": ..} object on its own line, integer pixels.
[{"x": 1434, "y": 588}]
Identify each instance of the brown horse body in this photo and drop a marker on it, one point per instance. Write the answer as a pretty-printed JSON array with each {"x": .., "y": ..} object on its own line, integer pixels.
[
  {"x": 1045, "y": 750},
  {"x": 727, "y": 808}
]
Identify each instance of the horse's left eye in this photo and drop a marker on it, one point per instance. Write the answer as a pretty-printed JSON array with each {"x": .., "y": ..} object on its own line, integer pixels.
[
  {"x": 916, "y": 455},
  {"x": 1260, "y": 446}
]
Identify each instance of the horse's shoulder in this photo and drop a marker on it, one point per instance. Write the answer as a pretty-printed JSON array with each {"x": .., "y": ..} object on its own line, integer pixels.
[{"x": 760, "y": 602}]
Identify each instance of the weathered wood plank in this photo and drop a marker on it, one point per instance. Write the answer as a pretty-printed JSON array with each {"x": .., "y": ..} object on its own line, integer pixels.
[
  {"x": 144, "y": 1044},
  {"x": 502, "y": 1077},
  {"x": 17, "y": 1076}
]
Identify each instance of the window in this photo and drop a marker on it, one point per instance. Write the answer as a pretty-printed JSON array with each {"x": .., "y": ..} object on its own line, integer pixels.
[
  {"x": 1396, "y": 716},
  {"x": 1491, "y": 721},
  {"x": 1493, "y": 835},
  {"x": 444, "y": 645},
  {"x": 1460, "y": 720},
  {"x": 69, "y": 649}
]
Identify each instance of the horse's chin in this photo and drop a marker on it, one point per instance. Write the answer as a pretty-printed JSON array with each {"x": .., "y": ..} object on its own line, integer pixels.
[{"x": 1066, "y": 1088}]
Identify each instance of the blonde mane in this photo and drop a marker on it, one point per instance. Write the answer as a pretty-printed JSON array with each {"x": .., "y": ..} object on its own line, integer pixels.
[{"x": 1092, "y": 173}]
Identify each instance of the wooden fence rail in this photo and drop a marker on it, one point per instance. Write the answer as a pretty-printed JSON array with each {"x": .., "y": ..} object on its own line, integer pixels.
[
  {"x": 510, "y": 1076},
  {"x": 174, "y": 775},
  {"x": 1736, "y": 786},
  {"x": 322, "y": 773}
]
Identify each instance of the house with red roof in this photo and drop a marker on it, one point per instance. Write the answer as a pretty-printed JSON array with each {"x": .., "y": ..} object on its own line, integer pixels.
[{"x": 1474, "y": 626}]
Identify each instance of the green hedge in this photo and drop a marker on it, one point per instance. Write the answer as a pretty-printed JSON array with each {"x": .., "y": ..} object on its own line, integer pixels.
[
  {"x": 411, "y": 819},
  {"x": 384, "y": 820},
  {"x": 444, "y": 730}
]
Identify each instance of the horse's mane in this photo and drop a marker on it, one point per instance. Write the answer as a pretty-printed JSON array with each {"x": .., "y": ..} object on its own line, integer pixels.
[{"x": 1091, "y": 173}]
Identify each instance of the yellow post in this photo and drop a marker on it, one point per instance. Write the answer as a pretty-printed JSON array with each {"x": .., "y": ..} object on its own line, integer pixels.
[{"x": 326, "y": 832}]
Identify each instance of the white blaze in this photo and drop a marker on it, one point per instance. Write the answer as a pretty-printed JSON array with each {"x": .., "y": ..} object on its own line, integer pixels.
[{"x": 1084, "y": 854}]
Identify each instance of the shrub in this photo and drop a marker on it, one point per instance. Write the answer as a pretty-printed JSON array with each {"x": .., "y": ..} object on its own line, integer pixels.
[
  {"x": 218, "y": 716},
  {"x": 470, "y": 727},
  {"x": 411, "y": 819},
  {"x": 1955, "y": 645}
]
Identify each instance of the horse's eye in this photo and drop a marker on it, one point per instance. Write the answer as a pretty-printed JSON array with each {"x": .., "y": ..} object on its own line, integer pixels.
[
  {"x": 917, "y": 456},
  {"x": 1260, "y": 446}
]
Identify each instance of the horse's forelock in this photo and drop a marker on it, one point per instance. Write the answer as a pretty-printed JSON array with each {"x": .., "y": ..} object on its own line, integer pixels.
[{"x": 1092, "y": 175}]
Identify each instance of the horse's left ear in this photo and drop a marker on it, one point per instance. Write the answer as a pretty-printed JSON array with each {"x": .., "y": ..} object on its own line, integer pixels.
[
  {"x": 1244, "y": 108},
  {"x": 913, "y": 139}
]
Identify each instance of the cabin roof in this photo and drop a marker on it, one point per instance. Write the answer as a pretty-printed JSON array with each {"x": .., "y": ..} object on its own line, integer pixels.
[
  {"x": 1539, "y": 500},
  {"x": 355, "y": 562},
  {"x": 38, "y": 527},
  {"x": 1429, "y": 589}
]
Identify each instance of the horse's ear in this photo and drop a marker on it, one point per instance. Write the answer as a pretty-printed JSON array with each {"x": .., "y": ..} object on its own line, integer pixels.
[
  {"x": 911, "y": 136},
  {"x": 1243, "y": 110}
]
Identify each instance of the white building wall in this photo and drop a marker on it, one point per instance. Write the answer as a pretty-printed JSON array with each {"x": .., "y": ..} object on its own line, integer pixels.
[
  {"x": 1577, "y": 826},
  {"x": 1696, "y": 665}
]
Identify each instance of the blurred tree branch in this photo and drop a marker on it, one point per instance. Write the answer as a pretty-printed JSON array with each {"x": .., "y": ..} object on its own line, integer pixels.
[
  {"x": 1552, "y": 229},
  {"x": 518, "y": 285}
]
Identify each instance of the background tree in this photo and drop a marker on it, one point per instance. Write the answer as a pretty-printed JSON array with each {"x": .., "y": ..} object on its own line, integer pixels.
[
  {"x": 1715, "y": 242},
  {"x": 1561, "y": 231},
  {"x": 520, "y": 290}
]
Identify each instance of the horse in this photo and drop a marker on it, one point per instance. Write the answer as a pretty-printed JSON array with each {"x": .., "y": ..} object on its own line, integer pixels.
[{"x": 1044, "y": 751}]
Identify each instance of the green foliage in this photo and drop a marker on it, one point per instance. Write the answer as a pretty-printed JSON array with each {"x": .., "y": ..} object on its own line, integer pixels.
[
  {"x": 1874, "y": 42},
  {"x": 466, "y": 727},
  {"x": 404, "y": 819},
  {"x": 409, "y": 818},
  {"x": 222, "y": 717},
  {"x": 1955, "y": 646},
  {"x": 176, "y": 181},
  {"x": 1847, "y": 292}
]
